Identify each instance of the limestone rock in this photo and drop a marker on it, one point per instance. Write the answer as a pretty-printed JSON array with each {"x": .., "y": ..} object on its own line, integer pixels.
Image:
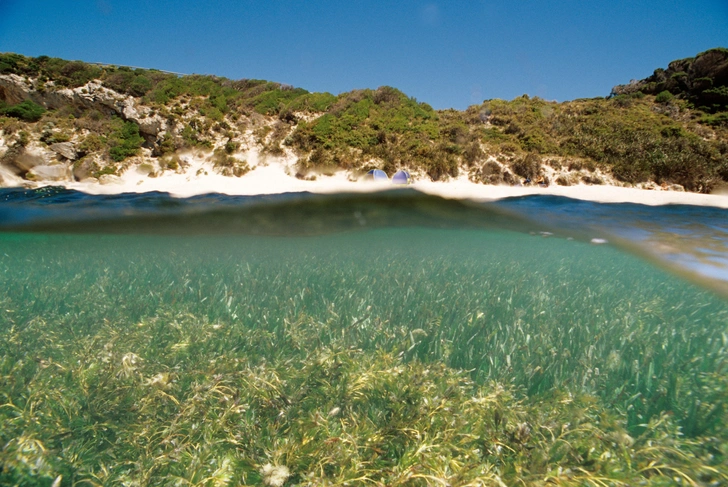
[
  {"x": 7, "y": 161},
  {"x": 9, "y": 177},
  {"x": 93, "y": 95},
  {"x": 109, "y": 179},
  {"x": 711, "y": 64},
  {"x": 22, "y": 159},
  {"x": 691, "y": 78},
  {"x": 148, "y": 124},
  {"x": 56, "y": 172},
  {"x": 14, "y": 88},
  {"x": 65, "y": 149},
  {"x": 86, "y": 167}
]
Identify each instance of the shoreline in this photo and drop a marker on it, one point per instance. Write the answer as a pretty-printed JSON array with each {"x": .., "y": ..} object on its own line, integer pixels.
[{"x": 275, "y": 177}]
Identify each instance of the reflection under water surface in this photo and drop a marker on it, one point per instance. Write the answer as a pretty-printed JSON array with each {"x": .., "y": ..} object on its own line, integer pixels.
[{"x": 692, "y": 240}]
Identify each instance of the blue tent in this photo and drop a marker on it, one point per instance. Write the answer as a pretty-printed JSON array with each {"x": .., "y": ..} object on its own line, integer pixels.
[
  {"x": 401, "y": 177},
  {"x": 377, "y": 175}
]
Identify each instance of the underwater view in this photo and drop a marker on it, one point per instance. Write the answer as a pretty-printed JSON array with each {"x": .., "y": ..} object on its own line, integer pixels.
[{"x": 387, "y": 339}]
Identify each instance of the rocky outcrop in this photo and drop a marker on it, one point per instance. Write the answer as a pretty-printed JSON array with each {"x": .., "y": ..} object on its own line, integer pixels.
[
  {"x": 65, "y": 149},
  {"x": 702, "y": 80},
  {"x": 20, "y": 159},
  {"x": 87, "y": 167},
  {"x": 54, "y": 172},
  {"x": 109, "y": 179},
  {"x": 14, "y": 89}
]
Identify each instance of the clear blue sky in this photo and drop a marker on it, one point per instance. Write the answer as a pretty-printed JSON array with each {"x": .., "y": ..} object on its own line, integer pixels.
[{"x": 446, "y": 53}]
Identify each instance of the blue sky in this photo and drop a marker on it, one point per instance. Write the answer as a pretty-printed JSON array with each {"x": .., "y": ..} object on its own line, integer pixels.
[{"x": 449, "y": 54}]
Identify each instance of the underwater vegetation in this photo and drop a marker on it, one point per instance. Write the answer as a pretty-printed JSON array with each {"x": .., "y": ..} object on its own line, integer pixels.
[{"x": 404, "y": 356}]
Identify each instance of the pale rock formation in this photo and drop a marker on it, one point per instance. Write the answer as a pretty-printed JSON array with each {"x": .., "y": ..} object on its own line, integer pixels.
[
  {"x": 14, "y": 88},
  {"x": 86, "y": 167},
  {"x": 65, "y": 149},
  {"x": 25, "y": 158},
  {"x": 93, "y": 95},
  {"x": 55, "y": 172},
  {"x": 109, "y": 179}
]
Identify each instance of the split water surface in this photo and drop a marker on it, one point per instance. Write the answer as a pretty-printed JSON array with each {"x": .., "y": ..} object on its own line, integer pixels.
[{"x": 383, "y": 339}]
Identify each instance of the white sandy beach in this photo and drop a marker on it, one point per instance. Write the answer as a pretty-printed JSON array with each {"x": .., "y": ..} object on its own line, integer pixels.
[{"x": 277, "y": 176}]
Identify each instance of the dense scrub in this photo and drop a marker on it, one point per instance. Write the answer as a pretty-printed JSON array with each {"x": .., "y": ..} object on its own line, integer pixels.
[
  {"x": 646, "y": 131},
  {"x": 25, "y": 110},
  {"x": 632, "y": 136},
  {"x": 381, "y": 124},
  {"x": 702, "y": 80}
]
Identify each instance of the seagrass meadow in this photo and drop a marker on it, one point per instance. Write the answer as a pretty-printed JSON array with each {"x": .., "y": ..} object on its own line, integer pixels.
[{"x": 387, "y": 355}]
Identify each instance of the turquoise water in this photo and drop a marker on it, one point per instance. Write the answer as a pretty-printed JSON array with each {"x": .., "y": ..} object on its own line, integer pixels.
[{"x": 401, "y": 340}]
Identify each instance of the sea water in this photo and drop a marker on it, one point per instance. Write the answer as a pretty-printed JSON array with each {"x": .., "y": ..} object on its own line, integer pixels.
[{"x": 384, "y": 339}]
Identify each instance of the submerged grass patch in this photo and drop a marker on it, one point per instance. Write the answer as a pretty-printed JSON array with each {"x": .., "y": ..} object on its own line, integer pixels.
[{"x": 389, "y": 357}]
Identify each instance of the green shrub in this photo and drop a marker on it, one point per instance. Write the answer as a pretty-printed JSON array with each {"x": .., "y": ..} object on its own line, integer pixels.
[
  {"x": 51, "y": 137},
  {"x": 717, "y": 96},
  {"x": 592, "y": 179},
  {"x": 167, "y": 144},
  {"x": 126, "y": 81},
  {"x": 528, "y": 166},
  {"x": 9, "y": 125},
  {"x": 491, "y": 173},
  {"x": 25, "y": 110},
  {"x": 271, "y": 102},
  {"x": 19, "y": 64},
  {"x": 717, "y": 120},
  {"x": 472, "y": 153},
  {"x": 110, "y": 170},
  {"x": 624, "y": 101},
  {"x": 119, "y": 81},
  {"x": 664, "y": 97},
  {"x": 227, "y": 165},
  {"x": 312, "y": 102},
  {"x": 535, "y": 142},
  {"x": 171, "y": 162},
  {"x": 702, "y": 83},
  {"x": 92, "y": 143},
  {"x": 231, "y": 146},
  {"x": 140, "y": 86},
  {"x": 23, "y": 138},
  {"x": 125, "y": 141},
  {"x": 77, "y": 73}
]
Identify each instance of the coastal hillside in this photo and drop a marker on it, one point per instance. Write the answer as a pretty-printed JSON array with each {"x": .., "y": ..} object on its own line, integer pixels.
[{"x": 63, "y": 121}]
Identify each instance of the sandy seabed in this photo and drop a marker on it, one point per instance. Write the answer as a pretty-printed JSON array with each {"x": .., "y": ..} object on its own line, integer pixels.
[{"x": 277, "y": 177}]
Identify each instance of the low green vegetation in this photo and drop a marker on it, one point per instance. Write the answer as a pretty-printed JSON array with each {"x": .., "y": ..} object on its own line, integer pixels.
[
  {"x": 670, "y": 128},
  {"x": 383, "y": 124},
  {"x": 364, "y": 358},
  {"x": 700, "y": 80},
  {"x": 664, "y": 97},
  {"x": 626, "y": 135},
  {"x": 25, "y": 110},
  {"x": 217, "y": 96},
  {"x": 124, "y": 141}
]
